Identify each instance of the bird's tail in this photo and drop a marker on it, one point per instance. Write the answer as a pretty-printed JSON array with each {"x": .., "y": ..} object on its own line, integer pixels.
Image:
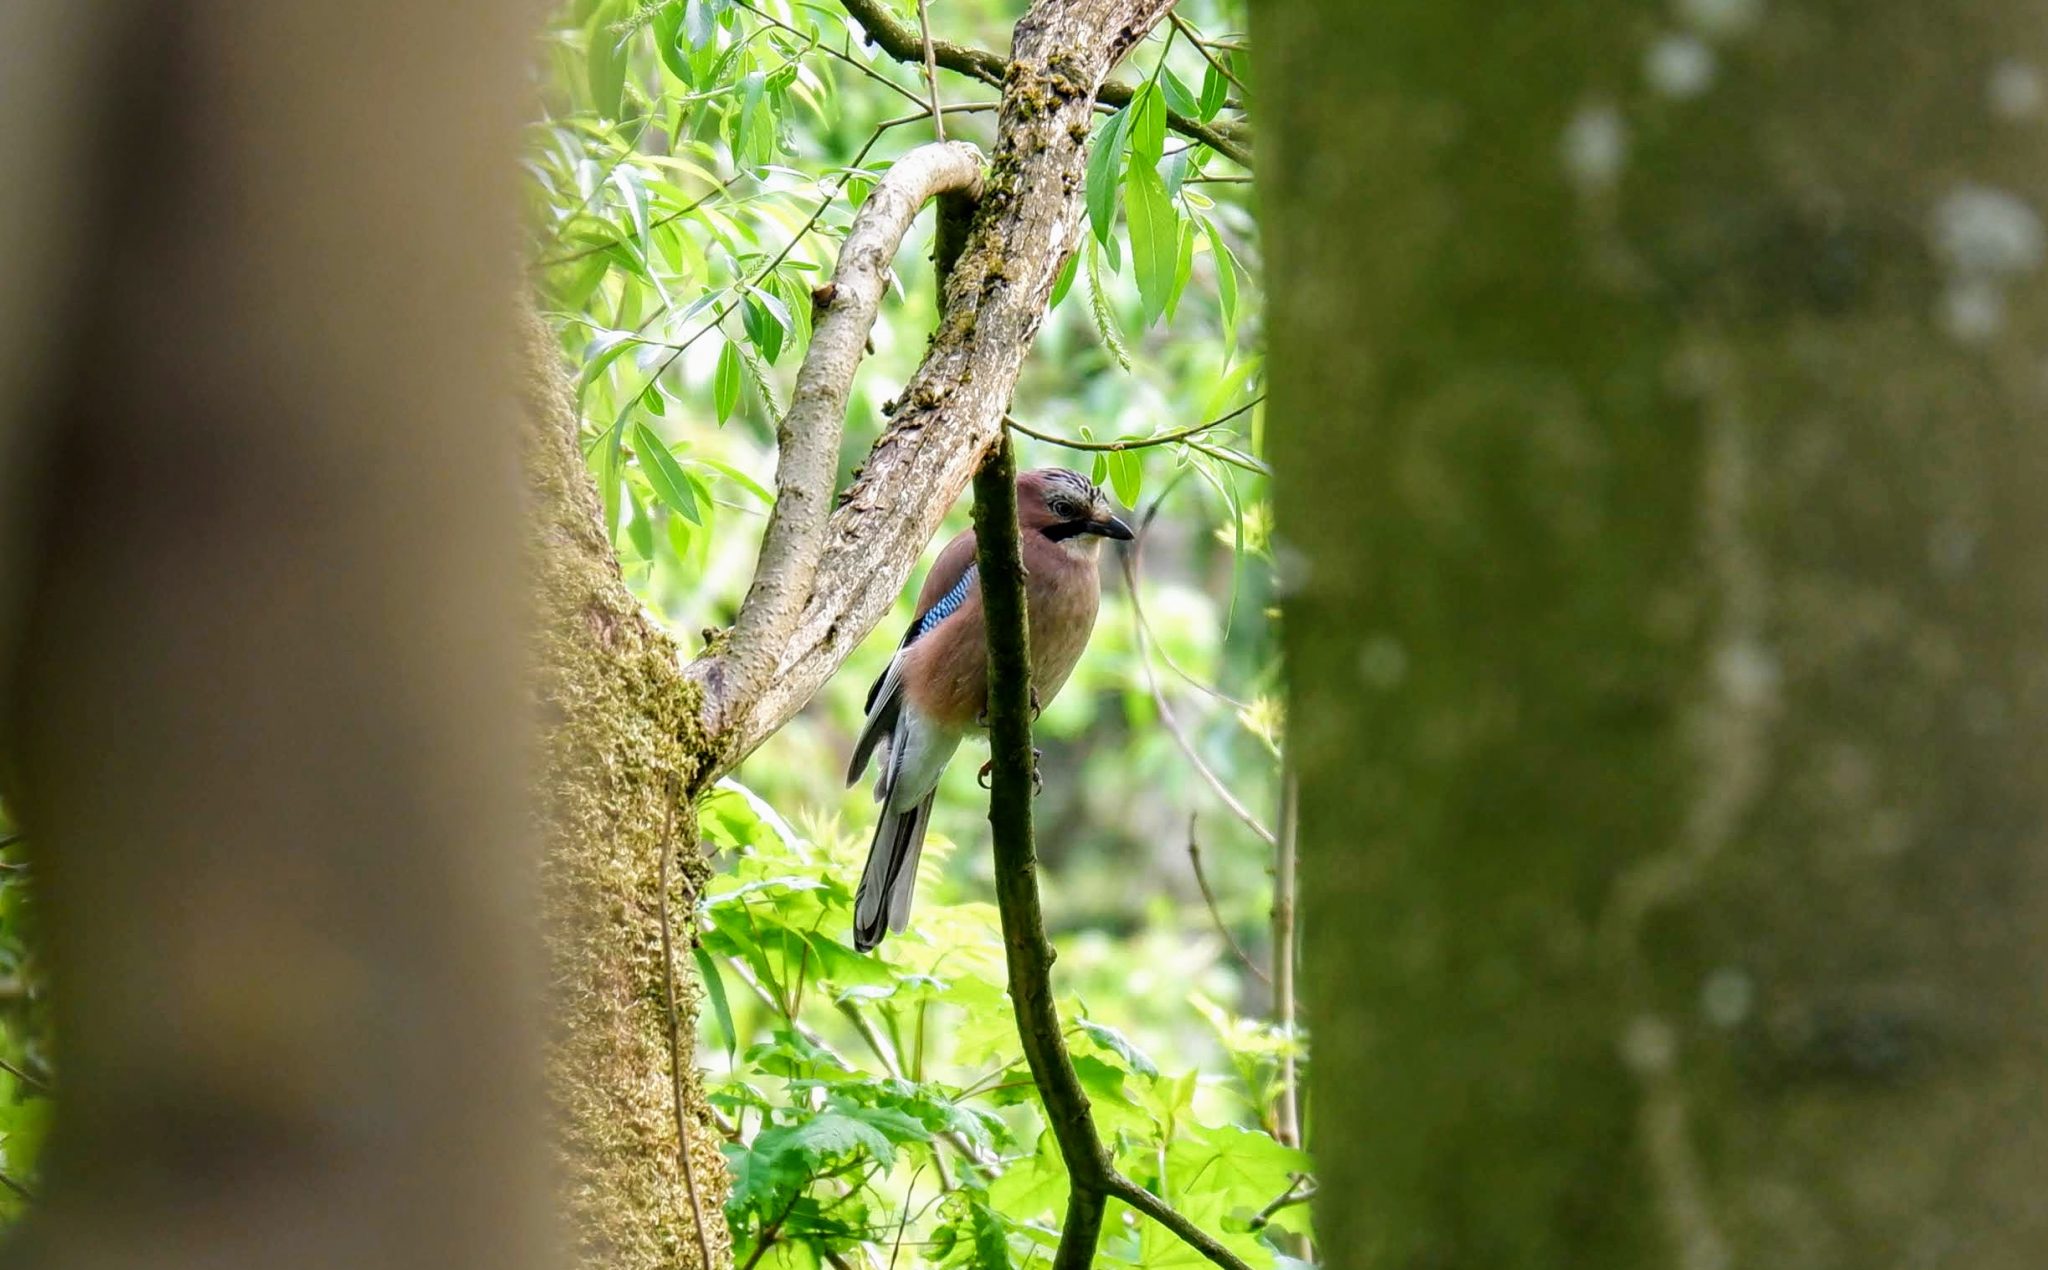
[{"x": 882, "y": 904}]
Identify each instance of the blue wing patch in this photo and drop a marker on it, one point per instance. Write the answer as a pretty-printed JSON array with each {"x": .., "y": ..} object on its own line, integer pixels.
[{"x": 944, "y": 607}]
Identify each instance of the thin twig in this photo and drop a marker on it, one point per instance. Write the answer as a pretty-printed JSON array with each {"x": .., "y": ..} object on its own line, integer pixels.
[
  {"x": 1027, "y": 952},
  {"x": 1170, "y": 1217},
  {"x": 900, "y": 40},
  {"x": 769, "y": 1231},
  {"x": 931, "y": 70},
  {"x": 36, "y": 1083},
  {"x": 1172, "y": 723},
  {"x": 1133, "y": 443},
  {"x": 1216, "y": 915},
  {"x": 1202, "y": 46},
  {"x": 1284, "y": 884},
  {"x": 847, "y": 58},
  {"x": 1300, "y": 1190},
  {"x": 675, "y": 1041},
  {"x": 17, "y": 1188}
]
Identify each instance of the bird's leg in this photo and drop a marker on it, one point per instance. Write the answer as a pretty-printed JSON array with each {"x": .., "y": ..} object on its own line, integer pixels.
[{"x": 1037, "y": 781}]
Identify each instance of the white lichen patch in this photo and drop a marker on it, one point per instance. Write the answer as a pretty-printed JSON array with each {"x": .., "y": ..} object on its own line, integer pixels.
[
  {"x": 1594, "y": 148},
  {"x": 1727, "y": 996},
  {"x": 1722, "y": 19},
  {"x": 2016, "y": 91},
  {"x": 1981, "y": 231},
  {"x": 1986, "y": 238},
  {"x": 1680, "y": 66},
  {"x": 1382, "y": 662}
]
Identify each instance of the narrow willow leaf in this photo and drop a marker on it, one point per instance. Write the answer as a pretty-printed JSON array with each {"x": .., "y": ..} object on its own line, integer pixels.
[
  {"x": 1215, "y": 89},
  {"x": 1105, "y": 163},
  {"x": 605, "y": 347},
  {"x": 1105, "y": 319},
  {"x": 1065, "y": 281},
  {"x": 607, "y": 66},
  {"x": 666, "y": 476},
  {"x": 640, "y": 529},
  {"x": 1178, "y": 97},
  {"x": 738, "y": 478},
  {"x": 714, "y": 987},
  {"x": 1226, "y": 272},
  {"x": 725, "y": 381},
  {"x": 1148, "y": 126},
  {"x": 1155, "y": 236},
  {"x": 698, "y": 17},
  {"x": 610, "y": 476},
  {"x": 1183, "y": 265},
  {"x": 668, "y": 32},
  {"x": 1126, "y": 475}
]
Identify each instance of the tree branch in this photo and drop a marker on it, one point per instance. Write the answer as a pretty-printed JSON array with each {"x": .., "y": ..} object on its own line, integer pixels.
[
  {"x": 995, "y": 301},
  {"x": 811, "y": 428},
  {"x": 906, "y": 44},
  {"x": 1027, "y": 952}
]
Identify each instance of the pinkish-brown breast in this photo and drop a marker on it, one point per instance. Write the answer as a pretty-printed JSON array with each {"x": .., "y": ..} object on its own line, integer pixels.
[{"x": 947, "y": 675}]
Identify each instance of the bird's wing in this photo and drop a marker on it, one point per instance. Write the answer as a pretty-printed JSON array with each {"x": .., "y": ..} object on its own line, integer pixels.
[{"x": 945, "y": 589}]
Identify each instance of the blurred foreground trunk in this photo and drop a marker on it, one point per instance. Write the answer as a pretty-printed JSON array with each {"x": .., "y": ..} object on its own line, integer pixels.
[
  {"x": 260, "y": 644},
  {"x": 1659, "y": 415}
]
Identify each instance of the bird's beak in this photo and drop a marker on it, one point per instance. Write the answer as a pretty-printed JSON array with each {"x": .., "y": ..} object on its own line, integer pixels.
[{"x": 1111, "y": 527}]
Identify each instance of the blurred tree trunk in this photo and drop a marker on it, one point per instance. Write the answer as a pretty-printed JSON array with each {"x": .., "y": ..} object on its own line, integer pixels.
[
  {"x": 260, "y": 642},
  {"x": 1658, "y": 409}
]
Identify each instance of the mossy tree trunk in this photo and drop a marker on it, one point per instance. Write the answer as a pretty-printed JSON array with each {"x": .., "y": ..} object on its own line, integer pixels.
[
  {"x": 1658, "y": 410},
  {"x": 623, "y": 750}
]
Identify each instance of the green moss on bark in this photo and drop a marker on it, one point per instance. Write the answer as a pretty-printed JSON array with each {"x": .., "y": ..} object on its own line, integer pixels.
[{"x": 624, "y": 745}]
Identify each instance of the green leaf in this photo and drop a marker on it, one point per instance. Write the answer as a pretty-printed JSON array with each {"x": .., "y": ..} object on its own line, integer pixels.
[
  {"x": 991, "y": 1237},
  {"x": 714, "y": 987},
  {"x": 1183, "y": 267},
  {"x": 1215, "y": 88},
  {"x": 1105, "y": 162},
  {"x": 611, "y": 475},
  {"x": 1065, "y": 281},
  {"x": 1117, "y": 1043},
  {"x": 767, "y": 320},
  {"x": 1126, "y": 475},
  {"x": 607, "y": 66},
  {"x": 671, "y": 485},
  {"x": 725, "y": 381},
  {"x": 640, "y": 529},
  {"x": 1226, "y": 271},
  {"x": 605, "y": 347},
  {"x": 1178, "y": 98},
  {"x": 699, "y": 23},
  {"x": 826, "y": 1135},
  {"x": 1148, "y": 126},
  {"x": 668, "y": 30},
  {"x": 1155, "y": 237}
]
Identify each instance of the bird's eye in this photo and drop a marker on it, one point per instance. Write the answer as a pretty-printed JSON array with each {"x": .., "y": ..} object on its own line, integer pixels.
[{"x": 1063, "y": 508}]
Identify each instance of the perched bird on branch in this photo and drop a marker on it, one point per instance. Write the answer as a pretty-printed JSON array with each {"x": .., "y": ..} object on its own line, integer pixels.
[{"x": 936, "y": 687}]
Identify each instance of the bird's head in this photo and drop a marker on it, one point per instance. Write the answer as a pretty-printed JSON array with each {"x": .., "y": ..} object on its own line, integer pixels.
[{"x": 1066, "y": 507}]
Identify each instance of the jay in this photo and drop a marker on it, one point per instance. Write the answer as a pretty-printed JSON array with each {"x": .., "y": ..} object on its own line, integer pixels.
[{"x": 935, "y": 689}]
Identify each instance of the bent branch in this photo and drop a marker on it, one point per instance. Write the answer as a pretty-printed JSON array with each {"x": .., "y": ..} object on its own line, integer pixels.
[
  {"x": 1027, "y": 222},
  {"x": 1092, "y": 1178},
  {"x": 811, "y": 428}
]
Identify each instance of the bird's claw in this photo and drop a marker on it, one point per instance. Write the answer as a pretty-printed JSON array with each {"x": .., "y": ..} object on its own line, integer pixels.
[{"x": 1037, "y": 781}]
